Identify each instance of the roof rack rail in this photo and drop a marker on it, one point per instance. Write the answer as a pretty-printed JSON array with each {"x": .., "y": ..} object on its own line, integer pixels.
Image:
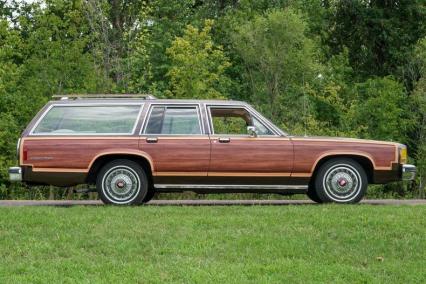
[{"x": 104, "y": 96}]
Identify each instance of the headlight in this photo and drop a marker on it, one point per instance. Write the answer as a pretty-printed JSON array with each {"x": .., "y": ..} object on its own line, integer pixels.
[{"x": 403, "y": 154}]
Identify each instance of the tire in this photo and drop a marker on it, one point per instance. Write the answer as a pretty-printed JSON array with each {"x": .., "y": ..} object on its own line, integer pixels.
[
  {"x": 122, "y": 182},
  {"x": 312, "y": 194},
  {"x": 341, "y": 180},
  {"x": 149, "y": 196}
]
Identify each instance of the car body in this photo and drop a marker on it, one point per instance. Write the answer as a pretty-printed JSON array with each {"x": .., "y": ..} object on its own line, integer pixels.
[{"x": 206, "y": 146}]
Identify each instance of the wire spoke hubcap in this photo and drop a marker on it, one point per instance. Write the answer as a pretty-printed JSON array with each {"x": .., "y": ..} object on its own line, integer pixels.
[
  {"x": 121, "y": 184},
  {"x": 342, "y": 182}
]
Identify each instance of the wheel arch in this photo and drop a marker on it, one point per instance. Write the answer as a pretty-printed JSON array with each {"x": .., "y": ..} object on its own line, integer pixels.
[
  {"x": 365, "y": 161},
  {"x": 102, "y": 159}
]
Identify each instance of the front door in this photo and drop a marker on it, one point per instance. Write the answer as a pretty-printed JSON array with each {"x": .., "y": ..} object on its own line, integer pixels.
[
  {"x": 175, "y": 139},
  {"x": 240, "y": 158}
]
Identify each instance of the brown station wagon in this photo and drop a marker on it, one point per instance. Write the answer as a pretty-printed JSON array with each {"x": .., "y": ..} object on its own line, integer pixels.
[{"x": 132, "y": 147}]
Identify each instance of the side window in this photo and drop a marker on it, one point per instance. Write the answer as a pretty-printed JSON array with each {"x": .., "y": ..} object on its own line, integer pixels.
[
  {"x": 88, "y": 120},
  {"x": 261, "y": 129},
  {"x": 234, "y": 121},
  {"x": 173, "y": 120}
]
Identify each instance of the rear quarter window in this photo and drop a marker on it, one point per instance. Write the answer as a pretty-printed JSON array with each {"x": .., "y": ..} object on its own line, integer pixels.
[{"x": 88, "y": 120}]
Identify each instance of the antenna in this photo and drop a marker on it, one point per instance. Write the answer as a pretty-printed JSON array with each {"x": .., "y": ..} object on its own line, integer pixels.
[{"x": 304, "y": 105}]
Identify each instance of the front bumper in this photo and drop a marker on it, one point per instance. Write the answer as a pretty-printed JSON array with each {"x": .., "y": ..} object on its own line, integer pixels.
[
  {"x": 408, "y": 172},
  {"x": 15, "y": 174}
]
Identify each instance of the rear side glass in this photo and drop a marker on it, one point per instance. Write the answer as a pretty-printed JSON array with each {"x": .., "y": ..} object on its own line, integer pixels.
[
  {"x": 89, "y": 120},
  {"x": 174, "y": 121},
  {"x": 155, "y": 120}
]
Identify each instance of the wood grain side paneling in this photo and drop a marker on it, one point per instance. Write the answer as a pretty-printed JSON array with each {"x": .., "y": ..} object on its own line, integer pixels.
[
  {"x": 308, "y": 152},
  {"x": 71, "y": 154},
  {"x": 179, "y": 156},
  {"x": 251, "y": 157}
]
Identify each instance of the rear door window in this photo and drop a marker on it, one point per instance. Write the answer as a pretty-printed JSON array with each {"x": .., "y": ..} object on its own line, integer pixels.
[
  {"x": 88, "y": 120},
  {"x": 173, "y": 120}
]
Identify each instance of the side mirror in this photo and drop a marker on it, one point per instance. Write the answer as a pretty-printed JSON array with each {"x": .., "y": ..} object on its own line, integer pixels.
[{"x": 251, "y": 130}]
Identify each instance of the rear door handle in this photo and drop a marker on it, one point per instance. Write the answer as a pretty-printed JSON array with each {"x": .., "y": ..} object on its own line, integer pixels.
[
  {"x": 151, "y": 139},
  {"x": 224, "y": 140}
]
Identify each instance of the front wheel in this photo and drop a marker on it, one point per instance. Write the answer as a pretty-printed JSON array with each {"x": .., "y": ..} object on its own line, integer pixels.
[
  {"x": 122, "y": 182},
  {"x": 341, "y": 181}
]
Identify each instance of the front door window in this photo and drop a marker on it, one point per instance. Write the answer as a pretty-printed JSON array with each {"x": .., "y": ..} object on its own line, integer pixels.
[{"x": 234, "y": 121}]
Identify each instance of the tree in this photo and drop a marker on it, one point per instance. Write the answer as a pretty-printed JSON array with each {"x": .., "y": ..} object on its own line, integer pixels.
[
  {"x": 379, "y": 34},
  {"x": 418, "y": 110},
  {"x": 197, "y": 65},
  {"x": 380, "y": 110},
  {"x": 279, "y": 60},
  {"x": 118, "y": 41}
]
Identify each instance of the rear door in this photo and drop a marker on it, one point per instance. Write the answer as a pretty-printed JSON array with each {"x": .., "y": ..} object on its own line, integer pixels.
[{"x": 175, "y": 138}]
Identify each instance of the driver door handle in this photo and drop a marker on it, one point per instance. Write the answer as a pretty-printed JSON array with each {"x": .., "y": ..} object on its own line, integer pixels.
[
  {"x": 151, "y": 140},
  {"x": 224, "y": 140}
]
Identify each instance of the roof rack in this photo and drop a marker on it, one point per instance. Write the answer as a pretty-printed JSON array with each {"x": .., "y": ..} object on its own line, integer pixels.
[{"x": 104, "y": 96}]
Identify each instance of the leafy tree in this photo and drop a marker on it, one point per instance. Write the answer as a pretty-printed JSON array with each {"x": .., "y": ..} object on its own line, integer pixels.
[
  {"x": 380, "y": 110},
  {"x": 418, "y": 110},
  {"x": 8, "y": 138},
  {"x": 333, "y": 98},
  {"x": 118, "y": 35},
  {"x": 378, "y": 34},
  {"x": 197, "y": 65},
  {"x": 279, "y": 60}
]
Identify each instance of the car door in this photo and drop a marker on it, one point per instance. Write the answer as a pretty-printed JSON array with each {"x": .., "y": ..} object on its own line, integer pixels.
[
  {"x": 240, "y": 158},
  {"x": 173, "y": 135}
]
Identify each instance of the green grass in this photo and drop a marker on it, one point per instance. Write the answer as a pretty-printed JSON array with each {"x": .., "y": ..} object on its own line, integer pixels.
[{"x": 258, "y": 244}]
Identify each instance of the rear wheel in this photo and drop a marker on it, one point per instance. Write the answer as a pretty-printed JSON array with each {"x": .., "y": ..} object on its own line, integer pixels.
[
  {"x": 341, "y": 180},
  {"x": 122, "y": 182}
]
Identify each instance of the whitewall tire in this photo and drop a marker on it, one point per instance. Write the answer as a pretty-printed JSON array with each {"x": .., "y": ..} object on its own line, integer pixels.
[
  {"x": 341, "y": 180},
  {"x": 122, "y": 182}
]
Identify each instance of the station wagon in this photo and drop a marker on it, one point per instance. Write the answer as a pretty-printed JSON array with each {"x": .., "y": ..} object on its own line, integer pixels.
[{"x": 131, "y": 147}]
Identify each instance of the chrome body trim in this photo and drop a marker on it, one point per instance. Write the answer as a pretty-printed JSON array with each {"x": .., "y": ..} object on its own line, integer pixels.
[
  {"x": 408, "y": 172},
  {"x": 18, "y": 146},
  {"x": 231, "y": 186}
]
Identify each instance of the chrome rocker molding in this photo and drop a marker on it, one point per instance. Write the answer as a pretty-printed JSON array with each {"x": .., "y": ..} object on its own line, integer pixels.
[
  {"x": 230, "y": 187},
  {"x": 408, "y": 172}
]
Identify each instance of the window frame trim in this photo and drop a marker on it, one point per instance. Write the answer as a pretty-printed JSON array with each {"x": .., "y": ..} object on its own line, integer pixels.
[
  {"x": 141, "y": 106},
  {"x": 197, "y": 106},
  {"x": 252, "y": 113}
]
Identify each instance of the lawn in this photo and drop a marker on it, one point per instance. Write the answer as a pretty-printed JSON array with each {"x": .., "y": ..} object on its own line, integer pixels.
[{"x": 257, "y": 244}]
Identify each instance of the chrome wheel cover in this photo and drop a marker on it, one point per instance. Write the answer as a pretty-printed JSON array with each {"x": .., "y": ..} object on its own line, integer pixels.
[
  {"x": 121, "y": 184},
  {"x": 342, "y": 183}
]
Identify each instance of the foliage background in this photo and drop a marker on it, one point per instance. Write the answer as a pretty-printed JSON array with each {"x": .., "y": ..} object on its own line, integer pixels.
[{"x": 352, "y": 68}]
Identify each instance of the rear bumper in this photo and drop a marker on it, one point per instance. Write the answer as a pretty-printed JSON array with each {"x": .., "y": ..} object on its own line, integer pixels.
[
  {"x": 15, "y": 174},
  {"x": 408, "y": 172}
]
